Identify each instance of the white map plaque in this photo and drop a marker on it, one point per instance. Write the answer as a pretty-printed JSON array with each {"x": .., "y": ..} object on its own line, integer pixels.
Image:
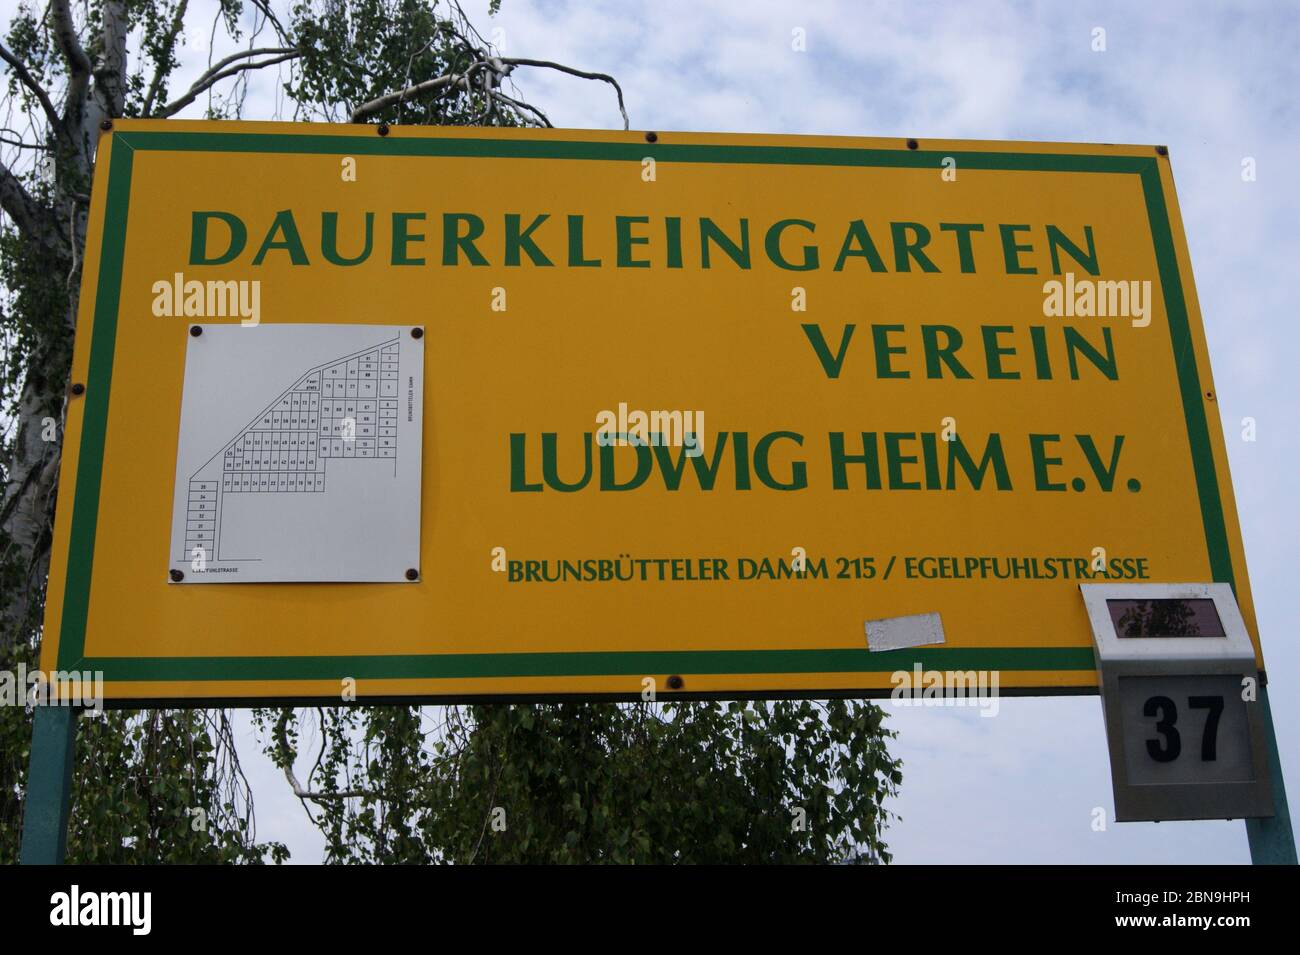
[{"x": 299, "y": 454}]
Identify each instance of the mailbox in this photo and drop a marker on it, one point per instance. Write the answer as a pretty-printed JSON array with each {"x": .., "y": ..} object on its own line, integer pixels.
[{"x": 1178, "y": 688}]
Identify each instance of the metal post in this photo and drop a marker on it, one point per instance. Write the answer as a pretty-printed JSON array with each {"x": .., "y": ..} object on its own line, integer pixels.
[
  {"x": 49, "y": 785},
  {"x": 1272, "y": 841}
]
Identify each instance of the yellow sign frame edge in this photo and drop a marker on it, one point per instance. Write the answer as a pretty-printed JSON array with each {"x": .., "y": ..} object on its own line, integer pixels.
[{"x": 748, "y": 674}]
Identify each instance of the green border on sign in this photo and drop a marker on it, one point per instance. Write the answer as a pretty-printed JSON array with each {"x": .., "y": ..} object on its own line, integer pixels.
[{"x": 85, "y": 507}]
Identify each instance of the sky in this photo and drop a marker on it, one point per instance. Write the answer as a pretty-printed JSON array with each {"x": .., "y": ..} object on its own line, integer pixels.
[{"x": 1216, "y": 83}]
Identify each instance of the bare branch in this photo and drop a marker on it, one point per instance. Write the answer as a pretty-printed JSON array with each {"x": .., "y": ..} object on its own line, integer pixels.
[
  {"x": 287, "y": 755},
  {"x": 19, "y": 144},
  {"x": 497, "y": 68},
  {"x": 521, "y": 105},
  {"x": 65, "y": 32},
  {"x": 603, "y": 77},
  {"x": 72, "y": 232},
  {"x": 280, "y": 31},
  {"x": 217, "y": 74},
  {"x": 388, "y": 99},
  {"x": 25, "y": 77},
  {"x": 205, "y": 79}
]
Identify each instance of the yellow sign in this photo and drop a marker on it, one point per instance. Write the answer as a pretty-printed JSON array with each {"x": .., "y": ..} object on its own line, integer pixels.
[{"x": 702, "y": 414}]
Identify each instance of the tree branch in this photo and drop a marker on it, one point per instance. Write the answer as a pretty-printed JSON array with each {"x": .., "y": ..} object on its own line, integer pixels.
[
  {"x": 110, "y": 73},
  {"x": 280, "y": 31},
  {"x": 390, "y": 99},
  {"x": 212, "y": 72},
  {"x": 498, "y": 67},
  {"x": 65, "y": 32},
  {"x": 287, "y": 755},
  {"x": 521, "y": 105},
  {"x": 32, "y": 219},
  {"x": 603, "y": 77},
  {"x": 216, "y": 74},
  {"x": 155, "y": 85},
  {"x": 19, "y": 144},
  {"x": 25, "y": 77}
]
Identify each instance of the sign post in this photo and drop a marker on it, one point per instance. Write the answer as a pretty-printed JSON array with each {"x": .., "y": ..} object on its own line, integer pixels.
[
  {"x": 49, "y": 785},
  {"x": 1272, "y": 840}
]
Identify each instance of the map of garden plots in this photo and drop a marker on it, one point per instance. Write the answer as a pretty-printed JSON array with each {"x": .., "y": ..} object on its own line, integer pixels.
[{"x": 299, "y": 454}]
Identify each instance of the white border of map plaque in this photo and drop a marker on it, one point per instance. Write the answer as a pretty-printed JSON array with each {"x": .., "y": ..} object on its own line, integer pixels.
[{"x": 299, "y": 455}]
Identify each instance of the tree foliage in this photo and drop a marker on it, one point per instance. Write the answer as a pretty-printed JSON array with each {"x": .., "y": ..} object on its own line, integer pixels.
[
  {"x": 677, "y": 782},
  {"x": 671, "y": 782}
]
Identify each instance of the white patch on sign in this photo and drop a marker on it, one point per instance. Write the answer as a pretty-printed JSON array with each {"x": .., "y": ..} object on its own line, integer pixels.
[
  {"x": 299, "y": 454},
  {"x": 896, "y": 633}
]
